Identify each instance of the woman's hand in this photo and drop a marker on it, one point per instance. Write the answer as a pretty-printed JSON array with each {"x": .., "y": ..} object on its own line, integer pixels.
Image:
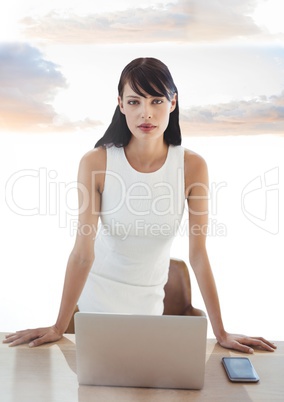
[
  {"x": 245, "y": 343},
  {"x": 34, "y": 337}
]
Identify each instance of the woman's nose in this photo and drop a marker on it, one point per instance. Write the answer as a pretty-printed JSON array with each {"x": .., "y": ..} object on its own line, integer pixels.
[{"x": 146, "y": 112}]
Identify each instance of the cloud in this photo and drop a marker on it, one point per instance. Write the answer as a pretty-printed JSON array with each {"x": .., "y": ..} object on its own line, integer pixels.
[
  {"x": 255, "y": 116},
  {"x": 183, "y": 21},
  {"x": 28, "y": 85}
]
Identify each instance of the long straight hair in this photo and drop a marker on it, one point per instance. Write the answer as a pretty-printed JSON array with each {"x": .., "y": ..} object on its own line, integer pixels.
[{"x": 154, "y": 78}]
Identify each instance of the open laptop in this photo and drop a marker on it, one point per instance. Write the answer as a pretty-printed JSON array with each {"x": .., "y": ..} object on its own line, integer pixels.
[{"x": 140, "y": 351}]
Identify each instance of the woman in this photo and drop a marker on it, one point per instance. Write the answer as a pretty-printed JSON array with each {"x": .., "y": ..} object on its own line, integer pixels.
[{"x": 137, "y": 180}]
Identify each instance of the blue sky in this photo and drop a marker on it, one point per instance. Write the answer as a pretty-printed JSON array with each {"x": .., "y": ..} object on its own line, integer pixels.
[{"x": 60, "y": 62}]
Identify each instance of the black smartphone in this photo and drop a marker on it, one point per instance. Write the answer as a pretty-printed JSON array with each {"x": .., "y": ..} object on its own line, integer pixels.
[{"x": 240, "y": 369}]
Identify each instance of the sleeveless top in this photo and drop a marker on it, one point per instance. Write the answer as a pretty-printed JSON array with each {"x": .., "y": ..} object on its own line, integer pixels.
[{"x": 140, "y": 216}]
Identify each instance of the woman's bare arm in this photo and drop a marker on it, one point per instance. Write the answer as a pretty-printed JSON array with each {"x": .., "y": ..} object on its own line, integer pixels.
[
  {"x": 197, "y": 187},
  {"x": 90, "y": 186}
]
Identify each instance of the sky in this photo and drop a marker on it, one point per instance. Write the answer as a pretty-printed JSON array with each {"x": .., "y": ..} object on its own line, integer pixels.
[{"x": 60, "y": 62}]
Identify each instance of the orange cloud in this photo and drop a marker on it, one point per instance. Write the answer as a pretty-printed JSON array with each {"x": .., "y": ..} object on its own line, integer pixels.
[
  {"x": 184, "y": 21},
  {"x": 28, "y": 84},
  {"x": 256, "y": 116}
]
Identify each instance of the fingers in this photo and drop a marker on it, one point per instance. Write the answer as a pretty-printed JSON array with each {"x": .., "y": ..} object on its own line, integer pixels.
[
  {"x": 261, "y": 343},
  {"x": 241, "y": 347},
  {"x": 246, "y": 344},
  {"x": 21, "y": 337},
  {"x": 7, "y": 337},
  {"x": 41, "y": 339},
  {"x": 34, "y": 337},
  {"x": 46, "y": 338}
]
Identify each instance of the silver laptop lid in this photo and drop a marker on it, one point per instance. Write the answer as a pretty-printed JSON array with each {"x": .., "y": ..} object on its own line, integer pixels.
[{"x": 140, "y": 351}]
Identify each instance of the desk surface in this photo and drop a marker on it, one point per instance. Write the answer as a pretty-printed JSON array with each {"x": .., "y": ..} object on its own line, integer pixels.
[{"x": 48, "y": 373}]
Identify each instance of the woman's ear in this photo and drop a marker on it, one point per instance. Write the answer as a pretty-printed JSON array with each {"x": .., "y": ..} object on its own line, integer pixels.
[
  {"x": 173, "y": 103},
  {"x": 120, "y": 104}
]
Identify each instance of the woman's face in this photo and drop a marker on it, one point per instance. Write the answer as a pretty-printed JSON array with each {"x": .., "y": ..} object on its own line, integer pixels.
[{"x": 146, "y": 117}]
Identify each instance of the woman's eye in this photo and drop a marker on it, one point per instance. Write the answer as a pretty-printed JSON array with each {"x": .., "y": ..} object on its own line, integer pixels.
[{"x": 136, "y": 102}]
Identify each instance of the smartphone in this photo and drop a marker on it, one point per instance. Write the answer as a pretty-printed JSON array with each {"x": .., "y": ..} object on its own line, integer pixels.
[{"x": 240, "y": 369}]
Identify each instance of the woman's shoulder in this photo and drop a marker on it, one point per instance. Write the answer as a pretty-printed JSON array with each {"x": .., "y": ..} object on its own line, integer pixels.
[
  {"x": 193, "y": 159},
  {"x": 93, "y": 162},
  {"x": 95, "y": 159},
  {"x": 195, "y": 166}
]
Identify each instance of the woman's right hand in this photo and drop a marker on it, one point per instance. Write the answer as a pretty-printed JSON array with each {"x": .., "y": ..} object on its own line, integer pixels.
[{"x": 34, "y": 337}]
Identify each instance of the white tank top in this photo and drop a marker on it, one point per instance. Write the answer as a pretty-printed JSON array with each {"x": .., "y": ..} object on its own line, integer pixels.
[{"x": 140, "y": 215}]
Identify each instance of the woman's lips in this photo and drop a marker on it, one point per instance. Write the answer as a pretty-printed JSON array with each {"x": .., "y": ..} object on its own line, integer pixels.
[{"x": 146, "y": 127}]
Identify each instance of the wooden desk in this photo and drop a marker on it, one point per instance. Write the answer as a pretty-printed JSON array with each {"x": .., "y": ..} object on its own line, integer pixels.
[{"x": 48, "y": 373}]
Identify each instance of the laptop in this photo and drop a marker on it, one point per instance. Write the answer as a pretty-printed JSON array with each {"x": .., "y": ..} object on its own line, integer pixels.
[{"x": 140, "y": 351}]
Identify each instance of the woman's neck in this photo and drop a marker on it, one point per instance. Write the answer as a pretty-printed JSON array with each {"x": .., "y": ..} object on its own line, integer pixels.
[{"x": 146, "y": 156}]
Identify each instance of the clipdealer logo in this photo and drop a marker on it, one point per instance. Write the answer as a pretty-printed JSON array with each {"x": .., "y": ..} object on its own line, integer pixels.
[
  {"x": 52, "y": 198},
  {"x": 31, "y": 192},
  {"x": 260, "y": 201},
  {"x": 259, "y": 198}
]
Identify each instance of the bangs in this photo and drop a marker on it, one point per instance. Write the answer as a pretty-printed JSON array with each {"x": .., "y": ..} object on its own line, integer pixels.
[
  {"x": 153, "y": 87},
  {"x": 148, "y": 76}
]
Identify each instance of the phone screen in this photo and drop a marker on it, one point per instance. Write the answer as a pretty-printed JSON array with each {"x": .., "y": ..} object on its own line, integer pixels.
[{"x": 240, "y": 369}]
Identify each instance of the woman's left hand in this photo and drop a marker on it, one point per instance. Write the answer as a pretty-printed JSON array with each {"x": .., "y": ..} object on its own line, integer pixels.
[{"x": 245, "y": 343}]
